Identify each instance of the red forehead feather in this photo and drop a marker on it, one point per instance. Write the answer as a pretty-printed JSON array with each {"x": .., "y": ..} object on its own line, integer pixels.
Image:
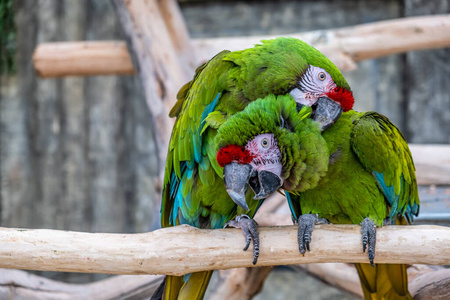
[
  {"x": 343, "y": 96},
  {"x": 232, "y": 153}
]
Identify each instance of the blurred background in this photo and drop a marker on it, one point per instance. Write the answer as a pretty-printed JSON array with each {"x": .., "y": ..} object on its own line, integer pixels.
[{"x": 77, "y": 153}]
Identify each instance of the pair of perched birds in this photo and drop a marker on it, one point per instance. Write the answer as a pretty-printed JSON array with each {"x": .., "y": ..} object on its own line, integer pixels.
[{"x": 279, "y": 116}]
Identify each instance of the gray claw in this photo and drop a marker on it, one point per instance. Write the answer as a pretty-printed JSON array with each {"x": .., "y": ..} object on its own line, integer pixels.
[
  {"x": 305, "y": 228},
  {"x": 248, "y": 227},
  {"x": 369, "y": 238}
]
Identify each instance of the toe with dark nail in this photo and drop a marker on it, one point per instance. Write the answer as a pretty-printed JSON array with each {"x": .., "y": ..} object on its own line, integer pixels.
[
  {"x": 250, "y": 232},
  {"x": 369, "y": 238},
  {"x": 305, "y": 228}
]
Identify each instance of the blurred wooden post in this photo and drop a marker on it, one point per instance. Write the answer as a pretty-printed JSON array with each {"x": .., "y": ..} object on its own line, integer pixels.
[
  {"x": 160, "y": 50},
  {"x": 344, "y": 46},
  {"x": 81, "y": 58}
]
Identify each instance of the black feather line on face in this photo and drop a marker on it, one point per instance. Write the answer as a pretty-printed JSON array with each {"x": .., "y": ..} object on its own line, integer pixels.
[
  {"x": 265, "y": 161},
  {"x": 307, "y": 84}
]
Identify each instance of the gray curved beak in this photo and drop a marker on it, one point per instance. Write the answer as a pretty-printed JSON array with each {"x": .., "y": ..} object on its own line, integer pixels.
[
  {"x": 327, "y": 112},
  {"x": 236, "y": 177},
  {"x": 267, "y": 184}
]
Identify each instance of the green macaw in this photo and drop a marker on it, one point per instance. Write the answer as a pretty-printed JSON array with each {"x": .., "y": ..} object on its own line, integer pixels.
[
  {"x": 193, "y": 190},
  {"x": 360, "y": 172}
]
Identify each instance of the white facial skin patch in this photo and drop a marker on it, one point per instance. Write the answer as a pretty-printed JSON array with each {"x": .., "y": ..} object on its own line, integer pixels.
[{"x": 315, "y": 83}]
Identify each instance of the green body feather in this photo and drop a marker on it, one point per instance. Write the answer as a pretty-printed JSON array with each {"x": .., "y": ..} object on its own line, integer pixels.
[
  {"x": 362, "y": 147},
  {"x": 368, "y": 172},
  {"x": 371, "y": 174},
  {"x": 193, "y": 190}
]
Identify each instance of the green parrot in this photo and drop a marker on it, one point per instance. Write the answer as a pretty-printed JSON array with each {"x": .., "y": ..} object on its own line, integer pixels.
[
  {"x": 193, "y": 189},
  {"x": 360, "y": 172}
]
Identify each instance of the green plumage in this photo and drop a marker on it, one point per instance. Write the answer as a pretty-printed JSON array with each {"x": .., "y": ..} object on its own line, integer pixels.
[
  {"x": 365, "y": 148},
  {"x": 371, "y": 174},
  {"x": 193, "y": 191},
  {"x": 368, "y": 172},
  {"x": 303, "y": 167}
]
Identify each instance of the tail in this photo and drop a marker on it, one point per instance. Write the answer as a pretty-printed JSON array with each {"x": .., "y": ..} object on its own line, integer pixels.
[
  {"x": 176, "y": 288},
  {"x": 384, "y": 281}
]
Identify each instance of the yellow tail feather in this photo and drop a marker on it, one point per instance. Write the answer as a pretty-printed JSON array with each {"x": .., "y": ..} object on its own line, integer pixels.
[
  {"x": 193, "y": 289},
  {"x": 172, "y": 288},
  {"x": 384, "y": 281}
]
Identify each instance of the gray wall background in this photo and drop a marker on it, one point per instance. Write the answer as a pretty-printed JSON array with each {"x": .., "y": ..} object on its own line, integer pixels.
[{"x": 77, "y": 153}]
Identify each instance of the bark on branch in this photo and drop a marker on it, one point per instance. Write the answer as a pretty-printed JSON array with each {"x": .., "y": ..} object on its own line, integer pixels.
[
  {"x": 424, "y": 282},
  {"x": 158, "y": 42},
  {"x": 172, "y": 250},
  {"x": 16, "y": 284},
  {"x": 344, "y": 46},
  {"x": 82, "y": 59},
  {"x": 348, "y": 45}
]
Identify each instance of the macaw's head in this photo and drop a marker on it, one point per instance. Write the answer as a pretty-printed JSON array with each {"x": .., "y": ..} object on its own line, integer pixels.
[
  {"x": 290, "y": 66},
  {"x": 269, "y": 145}
]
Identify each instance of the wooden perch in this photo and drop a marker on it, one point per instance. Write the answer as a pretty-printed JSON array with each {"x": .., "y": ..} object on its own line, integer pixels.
[
  {"x": 82, "y": 58},
  {"x": 159, "y": 45},
  {"x": 16, "y": 284},
  {"x": 425, "y": 282},
  {"x": 343, "y": 46},
  {"x": 171, "y": 251},
  {"x": 240, "y": 284},
  {"x": 432, "y": 163}
]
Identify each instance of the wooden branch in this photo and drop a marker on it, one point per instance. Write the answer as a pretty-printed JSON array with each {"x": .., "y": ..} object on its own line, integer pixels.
[
  {"x": 344, "y": 46},
  {"x": 431, "y": 286},
  {"x": 432, "y": 163},
  {"x": 82, "y": 58},
  {"x": 425, "y": 282},
  {"x": 171, "y": 251},
  {"x": 154, "y": 31},
  {"x": 341, "y": 276},
  {"x": 348, "y": 45},
  {"x": 240, "y": 284},
  {"x": 16, "y": 284}
]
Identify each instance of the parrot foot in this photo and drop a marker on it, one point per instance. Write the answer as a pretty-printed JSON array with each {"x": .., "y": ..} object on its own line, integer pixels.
[
  {"x": 248, "y": 226},
  {"x": 305, "y": 228},
  {"x": 369, "y": 238}
]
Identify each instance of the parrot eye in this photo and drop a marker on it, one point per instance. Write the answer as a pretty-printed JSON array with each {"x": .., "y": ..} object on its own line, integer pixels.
[
  {"x": 265, "y": 143},
  {"x": 321, "y": 76}
]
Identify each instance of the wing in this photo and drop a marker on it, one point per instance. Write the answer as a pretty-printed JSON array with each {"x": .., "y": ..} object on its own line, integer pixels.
[
  {"x": 191, "y": 162},
  {"x": 223, "y": 86},
  {"x": 383, "y": 151}
]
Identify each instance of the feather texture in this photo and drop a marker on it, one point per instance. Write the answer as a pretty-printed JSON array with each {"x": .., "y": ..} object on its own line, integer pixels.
[
  {"x": 360, "y": 167},
  {"x": 193, "y": 189}
]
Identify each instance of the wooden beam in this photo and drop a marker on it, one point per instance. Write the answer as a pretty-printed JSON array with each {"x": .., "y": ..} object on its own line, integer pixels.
[
  {"x": 432, "y": 163},
  {"x": 154, "y": 32},
  {"x": 82, "y": 59},
  {"x": 424, "y": 282},
  {"x": 348, "y": 45},
  {"x": 171, "y": 251},
  {"x": 16, "y": 284},
  {"x": 240, "y": 284},
  {"x": 344, "y": 46},
  {"x": 430, "y": 282},
  {"x": 341, "y": 276}
]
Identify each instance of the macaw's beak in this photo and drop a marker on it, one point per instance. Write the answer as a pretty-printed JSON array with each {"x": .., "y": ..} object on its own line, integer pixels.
[
  {"x": 326, "y": 112},
  {"x": 264, "y": 184},
  {"x": 236, "y": 177}
]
